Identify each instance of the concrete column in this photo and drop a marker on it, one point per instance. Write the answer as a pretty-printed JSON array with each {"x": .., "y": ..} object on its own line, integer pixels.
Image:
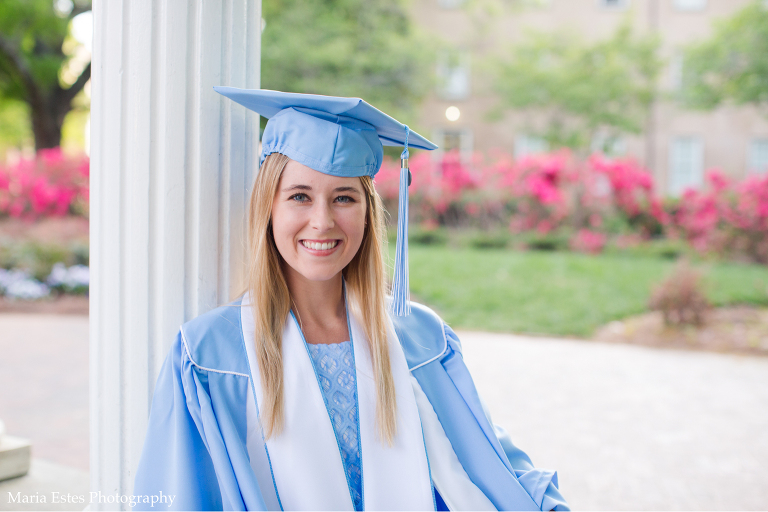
[{"x": 171, "y": 167}]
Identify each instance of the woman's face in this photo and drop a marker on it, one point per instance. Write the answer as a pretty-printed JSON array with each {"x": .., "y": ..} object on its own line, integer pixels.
[{"x": 318, "y": 221}]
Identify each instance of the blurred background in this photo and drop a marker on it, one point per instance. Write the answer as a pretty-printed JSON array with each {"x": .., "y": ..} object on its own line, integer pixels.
[{"x": 594, "y": 224}]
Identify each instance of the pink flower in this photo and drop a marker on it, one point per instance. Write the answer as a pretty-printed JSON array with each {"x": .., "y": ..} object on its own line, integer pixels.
[
  {"x": 588, "y": 241},
  {"x": 47, "y": 185}
]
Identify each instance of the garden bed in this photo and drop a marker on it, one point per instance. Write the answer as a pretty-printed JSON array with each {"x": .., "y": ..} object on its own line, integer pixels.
[
  {"x": 61, "y": 305},
  {"x": 740, "y": 329}
]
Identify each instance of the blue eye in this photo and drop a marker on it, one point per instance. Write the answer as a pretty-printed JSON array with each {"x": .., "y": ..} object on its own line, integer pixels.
[
  {"x": 345, "y": 199},
  {"x": 300, "y": 197}
]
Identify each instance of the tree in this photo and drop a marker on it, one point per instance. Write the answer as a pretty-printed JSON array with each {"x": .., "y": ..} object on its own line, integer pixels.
[
  {"x": 580, "y": 89},
  {"x": 32, "y": 56},
  {"x": 732, "y": 64},
  {"x": 361, "y": 48}
]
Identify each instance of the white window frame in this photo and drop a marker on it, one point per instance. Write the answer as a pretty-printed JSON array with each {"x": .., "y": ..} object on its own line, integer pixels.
[
  {"x": 758, "y": 156},
  {"x": 454, "y": 82},
  {"x": 690, "y": 5},
  {"x": 450, "y": 4},
  {"x": 686, "y": 164},
  {"x": 613, "y": 5},
  {"x": 676, "y": 64},
  {"x": 526, "y": 145},
  {"x": 617, "y": 147},
  {"x": 466, "y": 142}
]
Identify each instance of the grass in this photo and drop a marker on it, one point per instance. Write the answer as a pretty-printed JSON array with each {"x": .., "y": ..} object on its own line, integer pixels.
[{"x": 557, "y": 293}]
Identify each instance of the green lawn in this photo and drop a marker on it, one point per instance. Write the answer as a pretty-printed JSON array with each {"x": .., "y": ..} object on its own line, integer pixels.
[{"x": 556, "y": 292}]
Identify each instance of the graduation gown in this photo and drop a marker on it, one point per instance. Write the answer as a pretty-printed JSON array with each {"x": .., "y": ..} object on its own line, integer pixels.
[{"x": 203, "y": 443}]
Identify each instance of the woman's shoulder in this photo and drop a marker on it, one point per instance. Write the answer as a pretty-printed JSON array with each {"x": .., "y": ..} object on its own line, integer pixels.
[
  {"x": 215, "y": 339},
  {"x": 423, "y": 335}
]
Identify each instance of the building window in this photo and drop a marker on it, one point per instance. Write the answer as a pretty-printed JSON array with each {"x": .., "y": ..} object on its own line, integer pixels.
[
  {"x": 758, "y": 156},
  {"x": 453, "y": 73},
  {"x": 686, "y": 164},
  {"x": 529, "y": 145},
  {"x": 450, "y": 4},
  {"x": 613, "y": 4},
  {"x": 609, "y": 145},
  {"x": 454, "y": 139},
  {"x": 690, "y": 5},
  {"x": 676, "y": 72}
]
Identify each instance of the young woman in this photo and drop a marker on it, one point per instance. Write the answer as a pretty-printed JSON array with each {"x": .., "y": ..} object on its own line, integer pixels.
[{"x": 307, "y": 393}]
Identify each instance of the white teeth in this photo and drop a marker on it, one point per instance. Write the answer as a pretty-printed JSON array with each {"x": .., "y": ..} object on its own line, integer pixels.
[{"x": 319, "y": 246}]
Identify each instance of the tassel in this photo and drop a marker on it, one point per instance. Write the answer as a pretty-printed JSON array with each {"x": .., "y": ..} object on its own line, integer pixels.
[{"x": 401, "y": 304}]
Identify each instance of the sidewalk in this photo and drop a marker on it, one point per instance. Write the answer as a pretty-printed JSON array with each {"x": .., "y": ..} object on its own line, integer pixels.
[
  {"x": 44, "y": 398},
  {"x": 627, "y": 428},
  {"x": 631, "y": 428}
]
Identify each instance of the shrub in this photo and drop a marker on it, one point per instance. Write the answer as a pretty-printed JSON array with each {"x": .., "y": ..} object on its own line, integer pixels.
[
  {"x": 38, "y": 259},
  {"x": 50, "y": 184},
  {"x": 427, "y": 236},
  {"x": 598, "y": 199},
  {"x": 551, "y": 241},
  {"x": 489, "y": 240},
  {"x": 680, "y": 297}
]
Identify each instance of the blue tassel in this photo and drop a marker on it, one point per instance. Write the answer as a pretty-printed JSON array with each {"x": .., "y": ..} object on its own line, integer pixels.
[{"x": 401, "y": 304}]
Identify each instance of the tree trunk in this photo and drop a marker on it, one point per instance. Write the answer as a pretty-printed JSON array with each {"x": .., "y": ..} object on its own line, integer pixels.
[{"x": 46, "y": 126}]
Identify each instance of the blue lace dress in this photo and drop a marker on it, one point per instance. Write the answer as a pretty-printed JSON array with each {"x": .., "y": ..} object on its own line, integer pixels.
[{"x": 335, "y": 367}]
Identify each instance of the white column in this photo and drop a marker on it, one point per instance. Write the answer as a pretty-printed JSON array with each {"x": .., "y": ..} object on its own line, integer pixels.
[{"x": 171, "y": 167}]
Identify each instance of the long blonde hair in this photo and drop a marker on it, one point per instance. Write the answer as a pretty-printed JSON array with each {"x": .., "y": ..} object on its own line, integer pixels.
[{"x": 271, "y": 301}]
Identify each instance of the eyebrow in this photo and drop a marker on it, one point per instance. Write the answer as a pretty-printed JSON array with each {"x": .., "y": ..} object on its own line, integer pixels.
[{"x": 307, "y": 187}]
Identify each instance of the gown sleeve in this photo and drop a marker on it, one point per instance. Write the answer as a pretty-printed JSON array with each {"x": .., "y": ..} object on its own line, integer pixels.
[
  {"x": 540, "y": 484},
  {"x": 175, "y": 460}
]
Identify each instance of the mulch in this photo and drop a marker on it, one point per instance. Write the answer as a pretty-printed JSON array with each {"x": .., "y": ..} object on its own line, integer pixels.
[
  {"x": 738, "y": 329},
  {"x": 61, "y": 305},
  {"x": 59, "y": 230}
]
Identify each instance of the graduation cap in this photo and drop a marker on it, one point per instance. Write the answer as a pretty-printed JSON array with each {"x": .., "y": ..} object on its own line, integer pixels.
[{"x": 341, "y": 137}]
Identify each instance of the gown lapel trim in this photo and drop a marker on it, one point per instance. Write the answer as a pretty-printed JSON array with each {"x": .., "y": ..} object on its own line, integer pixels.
[
  {"x": 189, "y": 355},
  {"x": 438, "y": 356}
]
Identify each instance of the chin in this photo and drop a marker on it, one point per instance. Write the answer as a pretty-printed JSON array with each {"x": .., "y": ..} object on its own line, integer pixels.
[{"x": 317, "y": 274}]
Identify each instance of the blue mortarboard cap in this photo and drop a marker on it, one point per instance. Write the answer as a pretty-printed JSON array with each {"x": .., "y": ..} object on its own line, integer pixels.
[
  {"x": 333, "y": 135},
  {"x": 340, "y": 137}
]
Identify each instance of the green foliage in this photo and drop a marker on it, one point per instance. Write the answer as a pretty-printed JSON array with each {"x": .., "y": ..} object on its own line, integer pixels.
[
  {"x": 732, "y": 64},
  {"x": 490, "y": 240},
  {"x": 581, "y": 88},
  {"x": 663, "y": 248},
  {"x": 32, "y": 56},
  {"x": 15, "y": 129},
  {"x": 556, "y": 240},
  {"x": 361, "y": 48},
  {"x": 38, "y": 258},
  {"x": 423, "y": 236}
]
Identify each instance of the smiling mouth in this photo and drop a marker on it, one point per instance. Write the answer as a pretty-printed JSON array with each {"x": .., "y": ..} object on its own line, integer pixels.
[{"x": 320, "y": 246}]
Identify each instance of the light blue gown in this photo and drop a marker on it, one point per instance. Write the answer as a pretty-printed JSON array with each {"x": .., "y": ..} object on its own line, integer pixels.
[{"x": 195, "y": 447}]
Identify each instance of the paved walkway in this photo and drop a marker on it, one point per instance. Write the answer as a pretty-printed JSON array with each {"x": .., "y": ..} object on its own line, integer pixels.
[
  {"x": 626, "y": 427},
  {"x": 631, "y": 428}
]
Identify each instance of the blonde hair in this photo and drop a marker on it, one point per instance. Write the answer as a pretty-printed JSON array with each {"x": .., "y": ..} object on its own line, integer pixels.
[{"x": 271, "y": 301}]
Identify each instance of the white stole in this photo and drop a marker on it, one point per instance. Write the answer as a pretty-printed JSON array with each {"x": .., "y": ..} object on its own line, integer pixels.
[{"x": 304, "y": 460}]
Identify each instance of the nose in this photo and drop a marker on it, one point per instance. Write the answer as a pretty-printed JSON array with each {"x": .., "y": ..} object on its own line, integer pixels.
[{"x": 322, "y": 217}]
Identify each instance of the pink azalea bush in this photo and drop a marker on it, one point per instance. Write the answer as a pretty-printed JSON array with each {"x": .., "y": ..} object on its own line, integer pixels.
[
  {"x": 598, "y": 201},
  {"x": 725, "y": 217},
  {"x": 51, "y": 184}
]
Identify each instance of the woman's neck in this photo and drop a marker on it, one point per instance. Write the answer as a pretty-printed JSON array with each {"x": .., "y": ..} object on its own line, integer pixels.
[{"x": 319, "y": 306}]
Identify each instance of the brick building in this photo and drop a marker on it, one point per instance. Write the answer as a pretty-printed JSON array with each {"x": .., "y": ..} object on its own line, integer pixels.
[{"x": 678, "y": 145}]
